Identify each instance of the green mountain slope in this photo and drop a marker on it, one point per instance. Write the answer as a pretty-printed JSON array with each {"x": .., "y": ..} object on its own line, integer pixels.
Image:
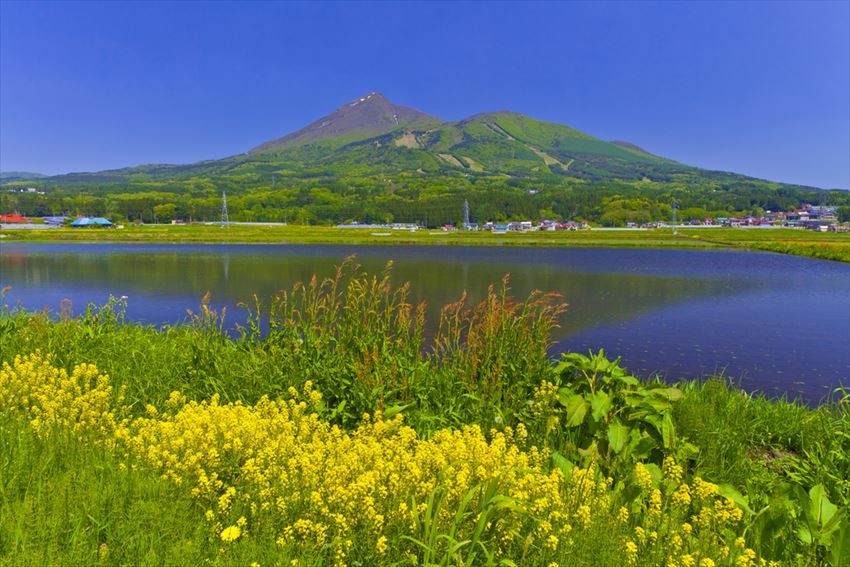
[
  {"x": 374, "y": 161},
  {"x": 19, "y": 176},
  {"x": 501, "y": 143},
  {"x": 373, "y": 136}
]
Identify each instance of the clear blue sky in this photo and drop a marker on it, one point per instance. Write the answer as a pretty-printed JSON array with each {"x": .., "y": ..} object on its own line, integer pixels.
[{"x": 756, "y": 88}]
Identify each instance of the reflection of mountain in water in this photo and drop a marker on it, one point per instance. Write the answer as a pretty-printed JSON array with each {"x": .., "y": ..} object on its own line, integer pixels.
[{"x": 594, "y": 298}]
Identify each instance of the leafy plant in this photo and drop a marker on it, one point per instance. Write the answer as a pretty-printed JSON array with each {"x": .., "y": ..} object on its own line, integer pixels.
[{"x": 612, "y": 414}]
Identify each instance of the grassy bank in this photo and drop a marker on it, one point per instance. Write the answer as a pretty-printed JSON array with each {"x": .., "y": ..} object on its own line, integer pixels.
[
  {"x": 339, "y": 436},
  {"x": 827, "y": 246}
]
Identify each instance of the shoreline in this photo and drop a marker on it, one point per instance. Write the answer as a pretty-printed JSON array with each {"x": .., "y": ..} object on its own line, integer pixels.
[{"x": 823, "y": 246}]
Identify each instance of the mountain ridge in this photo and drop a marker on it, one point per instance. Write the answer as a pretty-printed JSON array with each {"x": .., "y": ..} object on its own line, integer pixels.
[
  {"x": 374, "y": 161},
  {"x": 371, "y": 114},
  {"x": 370, "y": 135}
]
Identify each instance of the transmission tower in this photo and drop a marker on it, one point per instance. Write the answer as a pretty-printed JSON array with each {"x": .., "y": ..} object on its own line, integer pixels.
[
  {"x": 673, "y": 206},
  {"x": 224, "y": 219},
  {"x": 465, "y": 214}
]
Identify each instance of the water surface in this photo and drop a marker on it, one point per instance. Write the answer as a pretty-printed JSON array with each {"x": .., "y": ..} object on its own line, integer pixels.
[{"x": 779, "y": 324}]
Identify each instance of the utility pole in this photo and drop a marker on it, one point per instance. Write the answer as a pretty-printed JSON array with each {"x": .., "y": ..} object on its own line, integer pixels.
[
  {"x": 673, "y": 206},
  {"x": 224, "y": 218}
]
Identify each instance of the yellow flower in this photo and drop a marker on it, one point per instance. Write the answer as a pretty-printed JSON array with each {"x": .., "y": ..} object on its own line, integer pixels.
[
  {"x": 381, "y": 545},
  {"x": 672, "y": 470},
  {"x": 654, "y": 511},
  {"x": 583, "y": 514},
  {"x": 676, "y": 542},
  {"x": 682, "y": 496},
  {"x": 230, "y": 534},
  {"x": 631, "y": 552},
  {"x": 643, "y": 477},
  {"x": 704, "y": 489}
]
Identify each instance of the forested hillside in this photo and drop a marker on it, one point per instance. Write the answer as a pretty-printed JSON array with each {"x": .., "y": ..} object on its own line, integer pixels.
[{"x": 374, "y": 161}]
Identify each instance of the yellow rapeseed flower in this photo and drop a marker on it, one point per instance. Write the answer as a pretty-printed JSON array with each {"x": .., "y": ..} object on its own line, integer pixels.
[
  {"x": 631, "y": 549},
  {"x": 320, "y": 487},
  {"x": 643, "y": 477},
  {"x": 230, "y": 534},
  {"x": 381, "y": 545}
]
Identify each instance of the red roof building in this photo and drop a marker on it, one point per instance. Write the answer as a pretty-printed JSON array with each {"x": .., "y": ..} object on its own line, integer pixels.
[{"x": 13, "y": 219}]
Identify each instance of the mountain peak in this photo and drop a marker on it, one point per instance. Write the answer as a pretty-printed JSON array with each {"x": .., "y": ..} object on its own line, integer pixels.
[{"x": 369, "y": 115}]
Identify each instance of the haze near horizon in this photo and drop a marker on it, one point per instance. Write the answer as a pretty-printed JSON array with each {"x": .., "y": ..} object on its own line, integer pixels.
[{"x": 757, "y": 89}]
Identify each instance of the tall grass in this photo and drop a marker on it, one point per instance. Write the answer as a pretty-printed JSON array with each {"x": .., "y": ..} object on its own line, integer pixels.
[
  {"x": 63, "y": 502},
  {"x": 355, "y": 335}
]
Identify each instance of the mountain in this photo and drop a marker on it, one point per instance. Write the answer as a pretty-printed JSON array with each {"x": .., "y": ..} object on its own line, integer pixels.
[
  {"x": 372, "y": 134},
  {"x": 364, "y": 117},
  {"x": 372, "y": 160},
  {"x": 19, "y": 176},
  {"x": 372, "y": 138},
  {"x": 631, "y": 147}
]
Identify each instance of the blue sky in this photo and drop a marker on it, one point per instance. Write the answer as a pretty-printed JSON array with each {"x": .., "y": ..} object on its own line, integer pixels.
[{"x": 756, "y": 88}]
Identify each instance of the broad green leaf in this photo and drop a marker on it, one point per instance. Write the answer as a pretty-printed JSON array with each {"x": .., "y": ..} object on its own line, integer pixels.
[
  {"x": 668, "y": 431},
  {"x": 600, "y": 405},
  {"x": 687, "y": 450},
  {"x": 671, "y": 394},
  {"x": 655, "y": 471},
  {"x": 391, "y": 411},
  {"x": 653, "y": 420},
  {"x": 576, "y": 410},
  {"x": 660, "y": 405},
  {"x": 821, "y": 509},
  {"x": 643, "y": 447},
  {"x": 564, "y": 395},
  {"x": 768, "y": 527},
  {"x": 729, "y": 491},
  {"x": 563, "y": 463},
  {"x": 618, "y": 434},
  {"x": 629, "y": 380},
  {"x": 841, "y": 543}
]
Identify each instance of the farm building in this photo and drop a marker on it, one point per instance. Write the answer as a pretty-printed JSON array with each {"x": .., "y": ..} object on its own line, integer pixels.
[
  {"x": 91, "y": 222},
  {"x": 13, "y": 219}
]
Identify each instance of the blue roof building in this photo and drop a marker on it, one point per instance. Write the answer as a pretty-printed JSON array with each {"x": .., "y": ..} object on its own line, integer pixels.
[{"x": 90, "y": 221}]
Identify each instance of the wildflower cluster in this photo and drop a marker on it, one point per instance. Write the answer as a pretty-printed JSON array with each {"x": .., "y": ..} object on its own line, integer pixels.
[
  {"x": 49, "y": 397},
  {"x": 276, "y": 470},
  {"x": 684, "y": 525},
  {"x": 317, "y": 486}
]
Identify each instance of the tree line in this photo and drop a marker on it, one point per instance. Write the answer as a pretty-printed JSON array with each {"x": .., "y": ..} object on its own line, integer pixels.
[{"x": 409, "y": 198}]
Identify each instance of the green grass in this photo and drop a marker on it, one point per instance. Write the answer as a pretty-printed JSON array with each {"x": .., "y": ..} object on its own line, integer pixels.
[
  {"x": 359, "y": 341},
  {"x": 828, "y": 246},
  {"x": 63, "y": 502}
]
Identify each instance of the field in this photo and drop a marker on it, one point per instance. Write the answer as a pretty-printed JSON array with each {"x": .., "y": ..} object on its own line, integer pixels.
[
  {"x": 333, "y": 433},
  {"x": 826, "y": 246}
]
